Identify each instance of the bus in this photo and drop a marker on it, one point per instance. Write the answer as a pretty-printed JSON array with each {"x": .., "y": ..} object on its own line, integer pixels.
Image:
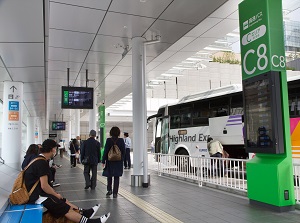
[{"x": 183, "y": 128}]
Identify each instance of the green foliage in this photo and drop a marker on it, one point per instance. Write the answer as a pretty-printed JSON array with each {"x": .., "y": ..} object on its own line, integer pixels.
[{"x": 228, "y": 57}]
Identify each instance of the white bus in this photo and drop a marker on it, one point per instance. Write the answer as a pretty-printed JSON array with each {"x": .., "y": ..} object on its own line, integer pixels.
[{"x": 183, "y": 128}]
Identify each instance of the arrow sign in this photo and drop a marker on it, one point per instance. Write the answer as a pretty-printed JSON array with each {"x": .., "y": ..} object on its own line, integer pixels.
[{"x": 13, "y": 88}]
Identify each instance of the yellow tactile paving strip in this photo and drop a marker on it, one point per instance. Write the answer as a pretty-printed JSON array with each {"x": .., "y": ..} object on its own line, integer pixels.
[{"x": 155, "y": 212}]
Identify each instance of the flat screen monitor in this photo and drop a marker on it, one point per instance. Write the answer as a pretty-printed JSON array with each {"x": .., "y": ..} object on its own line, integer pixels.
[
  {"x": 77, "y": 97},
  {"x": 263, "y": 116},
  {"x": 58, "y": 126}
]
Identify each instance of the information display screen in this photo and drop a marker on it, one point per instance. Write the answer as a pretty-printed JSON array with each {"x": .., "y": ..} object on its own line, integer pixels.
[
  {"x": 58, "y": 126},
  {"x": 263, "y": 115},
  {"x": 258, "y": 112},
  {"x": 77, "y": 97}
]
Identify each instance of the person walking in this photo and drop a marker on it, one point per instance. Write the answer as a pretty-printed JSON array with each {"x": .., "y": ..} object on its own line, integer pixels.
[
  {"x": 74, "y": 149},
  {"x": 127, "y": 160},
  {"x": 113, "y": 169},
  {"x": 44, "y": 194},
  {"x": 90, "y": 151}
]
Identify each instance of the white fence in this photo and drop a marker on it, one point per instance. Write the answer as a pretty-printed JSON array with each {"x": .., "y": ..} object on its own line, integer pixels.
[{"x": 224, "y": 173}]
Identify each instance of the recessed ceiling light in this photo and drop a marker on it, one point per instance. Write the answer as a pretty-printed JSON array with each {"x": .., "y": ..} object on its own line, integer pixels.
[{"x": 143, "y": 1}]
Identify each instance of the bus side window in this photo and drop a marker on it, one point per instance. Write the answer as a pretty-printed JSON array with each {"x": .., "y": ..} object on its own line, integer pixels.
[
  {"x": 219, "y": 106},
  {"x": 185, "y": 120},
  {"x": 175, "y": 122},
  {"x": 236, "y": 105}
]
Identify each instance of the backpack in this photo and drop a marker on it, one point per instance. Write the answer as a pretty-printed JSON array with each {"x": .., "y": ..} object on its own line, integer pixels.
[
  {"x": 19, "y": 194},
  {"x": 114, "y": 153}
]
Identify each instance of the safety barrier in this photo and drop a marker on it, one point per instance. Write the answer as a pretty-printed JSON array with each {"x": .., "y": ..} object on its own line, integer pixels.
[{"x": 224, "y": 173}]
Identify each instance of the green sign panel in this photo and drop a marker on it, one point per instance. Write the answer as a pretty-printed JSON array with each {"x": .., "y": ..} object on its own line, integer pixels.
[
  {"x": 66, "y": 97},
  {"x": 102, "y": 127},
  {"x": 261, "y": 37}
]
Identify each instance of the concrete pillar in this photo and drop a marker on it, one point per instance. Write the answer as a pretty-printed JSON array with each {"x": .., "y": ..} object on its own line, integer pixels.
[
  {"x": 12, "y": 124},
  {"x": 140, "y": 157}
]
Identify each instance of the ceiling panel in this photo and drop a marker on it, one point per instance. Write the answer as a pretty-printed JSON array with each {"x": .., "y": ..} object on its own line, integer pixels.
[
  {"x": 21, "y": 21},
  {"x": 111, "y": 44},
  {"x": 152, "y": 65},
  {"x": 117, "y": 78},
  {"x": 60, "y": 65},
  {"x": 95, "y": 4},
  {"x": 204, "y": 26},
  {"x": 190, "y": 11},
  {"x": 181, "y": 43},
  {"x": 67, "y": 55},
  {"x": 227, "y": 9},
  {"x": 72, "y": 40},
  {"x": 179, "y": 57},
  {"x": 124, "y": 25},
  {"x": 151, "y": 8},
  {"x": 199, "y": 44},
  {"x": 165, "y": 66},
  {"x": 33, "y": 87},
  {"x": 69, "y": 17},
  {"x": 103, "y": 58},
  {"x": 22, "y": 54},
  {"x": 170, "y": 32},
  {"x": 122, "y": 71},
  {"x": 163, "y": 56},
  {"x": 4, "y": 75},
  {"x": 28, "y": 74},
  {"x": 98, "y": 68},
  {"x": 221, "y": 29},
  {"x": 153, "y": 50}
]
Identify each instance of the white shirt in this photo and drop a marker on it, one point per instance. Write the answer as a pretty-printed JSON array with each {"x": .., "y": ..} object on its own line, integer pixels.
[{"x": 127, "y": 142}]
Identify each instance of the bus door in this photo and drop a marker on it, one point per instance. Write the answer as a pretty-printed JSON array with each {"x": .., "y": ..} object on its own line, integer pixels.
[{"x": 162, "y": 135}]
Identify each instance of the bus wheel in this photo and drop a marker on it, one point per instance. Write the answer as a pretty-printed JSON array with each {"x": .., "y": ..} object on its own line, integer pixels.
[{"x": 182, "y": 162}]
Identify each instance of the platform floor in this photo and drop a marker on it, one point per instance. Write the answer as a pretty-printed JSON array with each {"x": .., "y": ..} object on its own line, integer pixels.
[{"x": 166, "y": 200}]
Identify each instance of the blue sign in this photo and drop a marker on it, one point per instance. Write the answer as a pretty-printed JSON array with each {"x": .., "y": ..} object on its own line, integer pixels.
[{"x": 13, "y": 106}]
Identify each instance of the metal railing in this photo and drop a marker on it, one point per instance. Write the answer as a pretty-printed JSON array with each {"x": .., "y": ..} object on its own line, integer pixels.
[{"x": 223, "y": 173}]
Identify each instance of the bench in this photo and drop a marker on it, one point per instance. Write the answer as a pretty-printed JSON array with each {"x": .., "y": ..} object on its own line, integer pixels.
[{"x": 27, "y": 213}]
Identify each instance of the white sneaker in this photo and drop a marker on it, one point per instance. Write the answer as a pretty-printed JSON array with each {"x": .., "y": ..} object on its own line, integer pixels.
[
  {"x": 55, "y": 184},
  {"x": 95, "y": 208},
  {"x": 104, "y": 218}
]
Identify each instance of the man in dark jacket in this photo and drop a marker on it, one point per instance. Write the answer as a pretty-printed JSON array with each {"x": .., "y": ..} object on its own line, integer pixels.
[{"x": 91, "y": 151}]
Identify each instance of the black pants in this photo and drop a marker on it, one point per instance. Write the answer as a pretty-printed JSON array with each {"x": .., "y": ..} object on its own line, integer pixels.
[
  {"x": 127, "y": 161},
  {"x": 73, "y": 160},
  {"x": 116, "y": 184},
  {"x": 90, "y": 181},
  {"x": 52, "y": 174}
]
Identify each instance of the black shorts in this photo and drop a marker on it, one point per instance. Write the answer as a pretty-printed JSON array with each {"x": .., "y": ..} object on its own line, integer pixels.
[{"x": 56, "y": 207}]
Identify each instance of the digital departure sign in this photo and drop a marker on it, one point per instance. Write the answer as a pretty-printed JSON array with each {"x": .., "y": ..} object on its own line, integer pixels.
[
  {"x": 77, "y": 97},
  {"x": 263, "y": 116},
  {"x": 58, "y": 126}
]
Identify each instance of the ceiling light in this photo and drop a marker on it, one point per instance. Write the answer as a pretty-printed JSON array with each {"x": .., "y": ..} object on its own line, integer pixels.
[
  {"x": 217, "y": 49},
  {"x": 193, "y": 59},
  {"x": 172, "y": 75},
  {"x": 233, "y": 34},
  {"x": 182, "y": 68}
]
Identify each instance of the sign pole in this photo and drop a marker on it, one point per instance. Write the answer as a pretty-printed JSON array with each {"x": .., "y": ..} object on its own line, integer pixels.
[{"x": 267, "y": 132}]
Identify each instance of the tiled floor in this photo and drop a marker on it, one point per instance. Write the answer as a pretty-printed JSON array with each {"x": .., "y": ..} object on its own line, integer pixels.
[{"x": 185, "y": 202}]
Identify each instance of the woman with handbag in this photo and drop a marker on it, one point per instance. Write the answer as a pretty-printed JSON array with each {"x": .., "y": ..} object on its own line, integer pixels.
[
  {"x": 74, "y": 149},
  {"x": 113, "y": 168}
]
